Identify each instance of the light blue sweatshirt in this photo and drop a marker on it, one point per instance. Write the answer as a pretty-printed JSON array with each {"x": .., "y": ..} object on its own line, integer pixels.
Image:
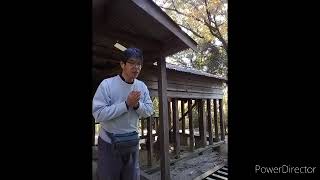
[{"x": 110, "y": 110}]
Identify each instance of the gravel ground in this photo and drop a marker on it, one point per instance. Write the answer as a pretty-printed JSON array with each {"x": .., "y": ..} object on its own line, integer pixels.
[{"x": 191, "y": 168}]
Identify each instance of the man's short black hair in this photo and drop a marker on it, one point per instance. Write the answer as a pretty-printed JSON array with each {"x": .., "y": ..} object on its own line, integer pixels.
[{"x": 132, "y": 53}]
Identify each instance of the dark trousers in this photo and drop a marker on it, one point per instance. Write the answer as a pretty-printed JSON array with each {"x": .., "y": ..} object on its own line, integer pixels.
[{"x": 113, "y": 166}]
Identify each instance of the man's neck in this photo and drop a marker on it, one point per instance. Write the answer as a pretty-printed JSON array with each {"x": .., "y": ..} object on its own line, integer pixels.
[{"x": 126, "y": 79}]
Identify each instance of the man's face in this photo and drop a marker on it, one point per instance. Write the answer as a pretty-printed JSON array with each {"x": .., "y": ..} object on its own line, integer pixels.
[{"x": 131, "y": 68}]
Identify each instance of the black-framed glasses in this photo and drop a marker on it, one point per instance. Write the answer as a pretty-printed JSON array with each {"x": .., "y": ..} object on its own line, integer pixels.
[{"x": 135, "y": 64}]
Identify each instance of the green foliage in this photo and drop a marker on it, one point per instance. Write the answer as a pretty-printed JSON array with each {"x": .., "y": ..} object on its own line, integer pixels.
[{"x": 155, "y": 101}]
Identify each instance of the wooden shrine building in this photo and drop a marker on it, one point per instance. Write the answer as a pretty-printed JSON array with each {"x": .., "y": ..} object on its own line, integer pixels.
[{"x": 142, "y": 24}]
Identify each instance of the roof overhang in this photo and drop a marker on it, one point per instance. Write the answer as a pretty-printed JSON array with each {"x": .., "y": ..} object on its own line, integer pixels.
[{"x": 139, "y": 23}]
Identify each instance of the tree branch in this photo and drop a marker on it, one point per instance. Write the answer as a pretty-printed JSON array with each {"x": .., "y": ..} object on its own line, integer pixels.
[
  {"x": 215, "y": 30},
  {"x": 224, "y": 43},
  {"x": 211, "y": 28},
  {"x": 193, "y": 32},
  {"x": 192, "y": 4},
  {"x": 174, "y": 5},
  {"x": 207, "y": 11},
  {"x": 181, "y": 13}
]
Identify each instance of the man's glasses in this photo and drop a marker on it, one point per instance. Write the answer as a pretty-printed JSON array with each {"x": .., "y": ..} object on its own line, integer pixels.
[{"x": 135, "y": 64}]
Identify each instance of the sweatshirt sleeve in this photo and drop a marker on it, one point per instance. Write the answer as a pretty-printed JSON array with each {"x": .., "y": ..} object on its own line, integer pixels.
[
  {"x": 145, "y": 105},
  {"x": 102, "y": 108}
]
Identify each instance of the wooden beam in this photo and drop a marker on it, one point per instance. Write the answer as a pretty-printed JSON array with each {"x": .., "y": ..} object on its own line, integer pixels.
[
  {"x": 176, "y": 127},
  {"x": 190, "y": 125},
  {"x": 183, "y": 100},
  {"x": 154, "y": 93},
  {"x": 209, "y": 121},
  {"x": 114, "y": 55},
  {"x": 186, "y": 78},
  {"x": 202, "y": 123},
  {"x": 187, "y": 87},
  {"x": 127, "y": 38},
  {"x": 163, "y": 114},
  {"x": 149, "y": 140},
  {"x": 183, "y": 117},
  {"x": 107, "y": 53},
  {"x": 221, "y": 120},
  {"x": 215, "y": 121}
]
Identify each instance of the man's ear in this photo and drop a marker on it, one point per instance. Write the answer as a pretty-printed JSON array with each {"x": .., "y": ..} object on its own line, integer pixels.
[{"x": 122, "y": 64}]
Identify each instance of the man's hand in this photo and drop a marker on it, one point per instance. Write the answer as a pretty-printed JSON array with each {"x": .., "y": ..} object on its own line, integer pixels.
[{"x": 133, "y": 98}]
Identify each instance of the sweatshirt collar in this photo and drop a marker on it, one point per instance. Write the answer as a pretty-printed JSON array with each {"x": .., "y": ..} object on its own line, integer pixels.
[{"x": 125, "y": 80}]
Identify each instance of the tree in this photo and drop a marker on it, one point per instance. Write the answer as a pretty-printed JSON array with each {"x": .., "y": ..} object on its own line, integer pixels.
[{"x": 206, "y": 22}]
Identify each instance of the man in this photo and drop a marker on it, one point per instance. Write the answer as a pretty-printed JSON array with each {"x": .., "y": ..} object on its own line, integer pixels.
[{"x": 118, "y": 104}]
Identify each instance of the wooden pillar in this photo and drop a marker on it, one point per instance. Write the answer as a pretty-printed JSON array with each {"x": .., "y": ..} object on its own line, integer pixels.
[
  {"x": 169, "y": 115},
  {"x": 155, "y": 120},
  {"x": 191, "y": 133},
  {"x": 183, "y": 137},
  {"x": 175, "y": 111},
  {"x": 149, "y": 140},
  {"x": 163, "y": 115},
  {"x": 183, "y": 118},
  {"x": 215, "y": 121},
  {"x": 209, "y": 121},
  {"x": 221, "y": 120},
  {"x": 202, "y": 123},
  {"x": 142, "y": 128},
  {"x": 93, "y": 132},
  {"x": 169, "y": 122},
  {"x": 157, "y": 126}
]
